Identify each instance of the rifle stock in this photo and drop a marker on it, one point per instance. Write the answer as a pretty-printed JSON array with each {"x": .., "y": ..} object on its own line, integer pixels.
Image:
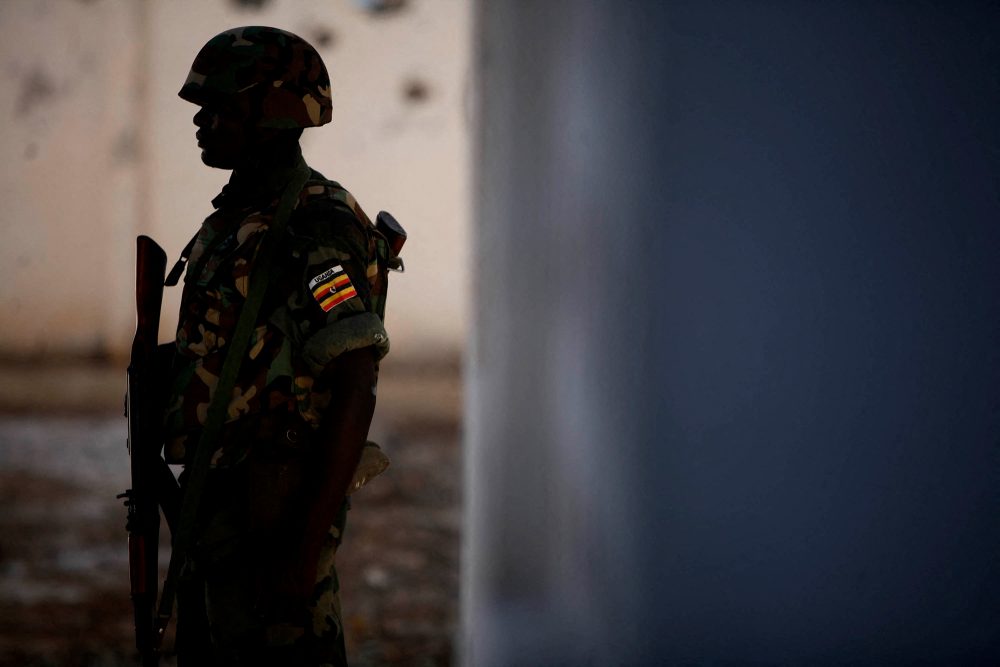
[{"x": 149, "y": 487}]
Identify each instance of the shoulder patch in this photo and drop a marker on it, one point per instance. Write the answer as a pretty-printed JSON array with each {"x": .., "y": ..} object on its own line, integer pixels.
[{"x": 332, "y": 288}]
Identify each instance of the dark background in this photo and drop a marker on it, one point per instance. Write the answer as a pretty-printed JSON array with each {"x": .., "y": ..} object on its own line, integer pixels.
[
  {"x": 833, "y": 282},
  {"x": 748, "y": 329}
]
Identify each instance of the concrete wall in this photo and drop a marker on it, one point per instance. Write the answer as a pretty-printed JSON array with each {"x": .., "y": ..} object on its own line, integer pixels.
[
  {"x": 97, "y": 148},
  {"x": 734, "y": 400},
  {"x": 70, "y": 174}
]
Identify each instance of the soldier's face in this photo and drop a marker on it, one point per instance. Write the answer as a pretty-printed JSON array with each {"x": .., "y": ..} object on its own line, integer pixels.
[{"x": 224, "y": 136}]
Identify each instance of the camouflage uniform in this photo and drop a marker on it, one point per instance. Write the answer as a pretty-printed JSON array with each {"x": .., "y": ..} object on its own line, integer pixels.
[
  {"x": 323, "y": 302},
  {"x": 326, "y": 297}
]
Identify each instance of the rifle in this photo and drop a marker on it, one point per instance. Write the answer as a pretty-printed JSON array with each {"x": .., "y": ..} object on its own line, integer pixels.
[{"x": 153, "y": 484}]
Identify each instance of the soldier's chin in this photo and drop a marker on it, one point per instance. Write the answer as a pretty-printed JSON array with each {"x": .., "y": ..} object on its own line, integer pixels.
[{"x": 213, "y": 159}]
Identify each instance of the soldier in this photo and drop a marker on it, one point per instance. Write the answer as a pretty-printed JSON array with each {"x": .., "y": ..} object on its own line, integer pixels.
[{"x": 258, "y": 585}]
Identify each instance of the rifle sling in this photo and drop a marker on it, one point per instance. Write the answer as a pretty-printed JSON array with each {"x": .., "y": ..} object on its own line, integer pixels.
[{"x": 221, "y": 397}]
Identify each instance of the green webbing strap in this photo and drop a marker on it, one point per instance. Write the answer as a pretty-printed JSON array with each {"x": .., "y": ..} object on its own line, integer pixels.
[{"x": 197, "y": 472}]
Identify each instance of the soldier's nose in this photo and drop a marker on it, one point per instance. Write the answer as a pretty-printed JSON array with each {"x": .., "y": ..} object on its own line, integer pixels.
[{"x": 203, "y": 118}]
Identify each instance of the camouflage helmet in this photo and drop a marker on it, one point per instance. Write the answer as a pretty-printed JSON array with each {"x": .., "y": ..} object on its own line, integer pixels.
[{"x": 280, "y": 74}]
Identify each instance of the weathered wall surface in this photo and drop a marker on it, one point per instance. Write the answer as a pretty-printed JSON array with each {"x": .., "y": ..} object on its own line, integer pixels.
[
  {"x": 97, "y": 148},
  {"x": 70, "y": 173}
]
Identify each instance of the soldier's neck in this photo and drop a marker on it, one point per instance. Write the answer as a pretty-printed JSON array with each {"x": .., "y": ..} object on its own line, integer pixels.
[{"x": 268, "y": 169}]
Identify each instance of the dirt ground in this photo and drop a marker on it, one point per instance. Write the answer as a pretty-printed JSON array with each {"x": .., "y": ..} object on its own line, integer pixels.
[{"x": 63, "y": 564}]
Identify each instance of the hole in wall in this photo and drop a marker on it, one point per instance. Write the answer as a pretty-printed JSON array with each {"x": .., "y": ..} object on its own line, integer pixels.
[
  {"x": 37, "y": 88},
  {"x": 250, "y": 4},
  {"x": 416, "y": 91},
  {"x": 324, "y": 38},
  {"x": 381, "y": 7}
]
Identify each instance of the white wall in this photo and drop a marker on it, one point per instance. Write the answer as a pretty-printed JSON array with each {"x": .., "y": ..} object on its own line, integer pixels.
[
  {"x": 67, "y": 141},
  {"x": 92, "y": 86}
]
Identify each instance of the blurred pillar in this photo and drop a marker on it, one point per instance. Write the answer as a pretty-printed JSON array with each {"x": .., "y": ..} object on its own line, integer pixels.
[{"x": 732, "y": 388}]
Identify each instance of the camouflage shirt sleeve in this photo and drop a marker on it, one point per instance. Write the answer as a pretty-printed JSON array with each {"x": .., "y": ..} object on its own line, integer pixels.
[{"x": 330, "y": 303}]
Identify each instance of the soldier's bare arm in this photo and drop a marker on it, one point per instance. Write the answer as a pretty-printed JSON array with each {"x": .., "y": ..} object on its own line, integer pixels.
[{"x": 336, "y": 451}]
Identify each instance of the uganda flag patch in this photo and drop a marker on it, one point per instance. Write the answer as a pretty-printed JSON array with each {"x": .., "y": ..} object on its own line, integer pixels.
[{"x": 332, "y": 288}]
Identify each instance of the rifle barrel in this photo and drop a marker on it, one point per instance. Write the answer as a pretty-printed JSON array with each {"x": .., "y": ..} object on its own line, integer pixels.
[{"x": 144, "y": 446}]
